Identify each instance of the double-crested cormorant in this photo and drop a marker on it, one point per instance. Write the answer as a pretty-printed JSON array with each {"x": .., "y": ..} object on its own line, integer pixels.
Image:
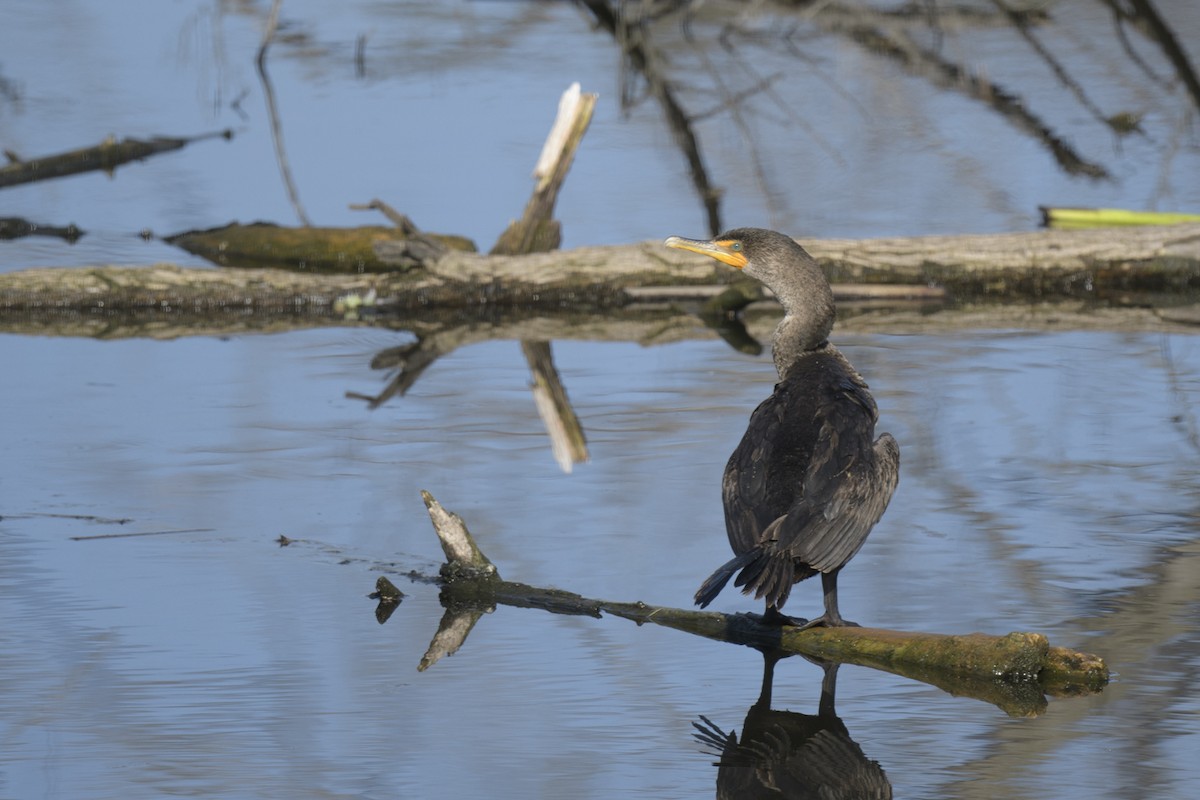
[{"x": 808, "y": 480}]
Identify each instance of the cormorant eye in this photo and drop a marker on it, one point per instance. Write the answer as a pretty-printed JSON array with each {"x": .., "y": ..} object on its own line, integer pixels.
[{"x": 736, "y": 247}]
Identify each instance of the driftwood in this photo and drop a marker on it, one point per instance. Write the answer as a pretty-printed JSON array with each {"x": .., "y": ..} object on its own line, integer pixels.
[
  {"x": 1086, "y": 264},
  {"x": 1013, "y": 672},
  {"x": 107, "y": 156},
  {"x": 536, "y": 231}
]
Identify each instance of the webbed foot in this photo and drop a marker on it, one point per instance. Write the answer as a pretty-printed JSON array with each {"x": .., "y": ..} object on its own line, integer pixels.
[
  {"x": 826, "y": 621},
  {"x": 773, "y": 616}
]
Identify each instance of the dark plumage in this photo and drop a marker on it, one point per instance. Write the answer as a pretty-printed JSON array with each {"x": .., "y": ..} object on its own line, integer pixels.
[{"x": 809, "y": 479}]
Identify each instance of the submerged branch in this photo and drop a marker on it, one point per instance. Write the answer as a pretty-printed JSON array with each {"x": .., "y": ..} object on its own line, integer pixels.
[{"x": 17, "y": 228}]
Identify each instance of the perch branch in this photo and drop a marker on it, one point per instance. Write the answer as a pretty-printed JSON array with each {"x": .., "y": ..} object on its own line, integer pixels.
[{"x": 1011, "y": 671}]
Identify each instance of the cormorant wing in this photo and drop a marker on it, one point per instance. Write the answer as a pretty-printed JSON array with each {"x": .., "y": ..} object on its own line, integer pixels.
[
  {"x": 763, "y": 472},
  {"x": 848, "y": 483}
]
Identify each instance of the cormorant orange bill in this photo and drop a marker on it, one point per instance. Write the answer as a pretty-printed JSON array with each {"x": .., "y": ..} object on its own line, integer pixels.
[{"x": 728, "y": 251}]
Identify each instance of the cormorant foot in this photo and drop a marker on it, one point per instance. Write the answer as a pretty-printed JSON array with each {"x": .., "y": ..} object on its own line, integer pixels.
[
  {"x": 773, "y": 616},
  {"x": 824, "y": 621}
]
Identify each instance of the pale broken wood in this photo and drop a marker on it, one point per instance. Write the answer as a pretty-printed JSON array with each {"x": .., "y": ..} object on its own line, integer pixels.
[
  {"x": 539, "y": 231},
  {"x": 457, "y": 542},
  {"x": 1011, "y": 671},
  {"x": 451, "y": 634},
  {"x": 567, "y": 439}
]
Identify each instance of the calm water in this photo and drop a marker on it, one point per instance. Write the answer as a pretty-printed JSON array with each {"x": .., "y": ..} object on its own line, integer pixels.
[
  {"x": 1040, "y": 492},
  {"x": 1049, "y": 478}
]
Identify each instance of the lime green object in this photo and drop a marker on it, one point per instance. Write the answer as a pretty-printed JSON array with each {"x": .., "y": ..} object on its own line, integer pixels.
[{"x": 1109, "y": 217}]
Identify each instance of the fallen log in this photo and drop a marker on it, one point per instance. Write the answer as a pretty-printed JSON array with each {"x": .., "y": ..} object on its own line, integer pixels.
[
  {"x": 1014, "y": 671},
  {"x": 1093, "y": 265}
]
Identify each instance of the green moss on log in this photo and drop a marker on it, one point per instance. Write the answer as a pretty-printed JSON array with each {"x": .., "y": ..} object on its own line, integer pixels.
[{"x": 336, "y": 250}]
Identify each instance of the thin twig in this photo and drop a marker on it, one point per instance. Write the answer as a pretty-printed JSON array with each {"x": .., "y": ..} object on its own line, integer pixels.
[{"x": 143, "y": 533}]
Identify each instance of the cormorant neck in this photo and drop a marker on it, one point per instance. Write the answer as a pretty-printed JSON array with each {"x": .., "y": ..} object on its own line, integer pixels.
[
  {"x": 799, "y": 333},
  {"x": 807, "y": 300}
]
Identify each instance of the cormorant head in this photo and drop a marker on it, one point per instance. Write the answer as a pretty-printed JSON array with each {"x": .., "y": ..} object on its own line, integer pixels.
[
  {"x": 773, "y": 258},
  {"x": 788, "y": 271}
]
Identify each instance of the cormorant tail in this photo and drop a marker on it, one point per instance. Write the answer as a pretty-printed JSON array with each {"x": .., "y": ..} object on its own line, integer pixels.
[
  {"x": 770, "y": 576},
  {"x": 712, "y": 587}
]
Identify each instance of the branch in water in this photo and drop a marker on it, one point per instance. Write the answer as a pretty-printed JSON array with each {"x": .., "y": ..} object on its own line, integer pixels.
[{"x": 1012, "y": 671}]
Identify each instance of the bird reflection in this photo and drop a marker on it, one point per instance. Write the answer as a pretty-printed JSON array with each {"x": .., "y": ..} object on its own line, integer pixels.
[{"x": 787, "y": 754}]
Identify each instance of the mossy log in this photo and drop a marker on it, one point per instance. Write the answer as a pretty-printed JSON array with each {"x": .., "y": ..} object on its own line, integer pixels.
[
  {"x": 1013, "y": 671},
  {"x": 309, "y": 249}
]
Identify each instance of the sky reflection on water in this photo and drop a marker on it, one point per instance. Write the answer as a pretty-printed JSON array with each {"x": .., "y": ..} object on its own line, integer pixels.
[
  {"x": 1049, "y": 479},
  {"x": 219, "y": 663}
]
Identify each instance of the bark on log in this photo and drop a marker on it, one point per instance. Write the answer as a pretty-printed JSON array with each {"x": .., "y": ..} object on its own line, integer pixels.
[
  {"x": 1086, "y": 264},
  {"x": 1012, "y": 671}
]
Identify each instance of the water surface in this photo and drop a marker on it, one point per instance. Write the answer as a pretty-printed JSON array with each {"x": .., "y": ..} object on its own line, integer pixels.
[
  {"x": 214, "y": 662},
  {"x": 1049, "y": 477}
]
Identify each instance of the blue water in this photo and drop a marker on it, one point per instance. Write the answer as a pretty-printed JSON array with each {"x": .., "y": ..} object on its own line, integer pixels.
[
  {"x": 1048, "y": 481},
  {"x": 215, "y": 662}
]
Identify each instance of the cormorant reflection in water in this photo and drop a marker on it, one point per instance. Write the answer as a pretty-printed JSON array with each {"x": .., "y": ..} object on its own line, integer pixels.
[{"x": 787, "y": 754}]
